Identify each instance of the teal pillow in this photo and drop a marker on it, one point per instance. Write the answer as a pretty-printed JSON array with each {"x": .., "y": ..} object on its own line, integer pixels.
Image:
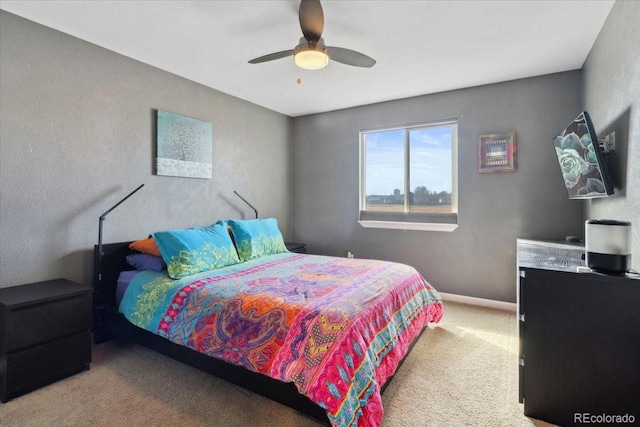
[
  {"x": 255, "y": 238},
  {"x": 194, "y": 250}
]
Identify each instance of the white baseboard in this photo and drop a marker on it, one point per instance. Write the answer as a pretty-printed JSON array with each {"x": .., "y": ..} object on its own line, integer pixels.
[{"x": 500, "y": 305}]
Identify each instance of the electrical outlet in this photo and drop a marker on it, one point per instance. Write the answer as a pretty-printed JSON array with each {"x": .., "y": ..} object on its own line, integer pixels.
[
  {"x": 609, "y": 142},
  {"x": 349, "y": 254}
]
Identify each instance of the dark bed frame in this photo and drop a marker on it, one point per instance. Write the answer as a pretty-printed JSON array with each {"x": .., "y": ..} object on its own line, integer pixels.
[{"x": 109, "y": 324}]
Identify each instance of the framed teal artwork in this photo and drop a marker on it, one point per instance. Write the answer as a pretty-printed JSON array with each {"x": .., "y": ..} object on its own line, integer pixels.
[{"x": 185, "y": 146}]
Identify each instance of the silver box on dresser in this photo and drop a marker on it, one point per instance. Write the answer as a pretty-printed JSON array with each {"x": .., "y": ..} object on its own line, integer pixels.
[{"x": 550, "y": 254}]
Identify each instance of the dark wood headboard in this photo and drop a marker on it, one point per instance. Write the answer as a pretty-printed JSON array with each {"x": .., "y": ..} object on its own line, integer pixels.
[{"x": 105, "y": 282}]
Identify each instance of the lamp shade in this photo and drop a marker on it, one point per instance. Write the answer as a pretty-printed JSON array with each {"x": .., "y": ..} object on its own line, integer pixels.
[
  {"x": 311, "y": 54},
  {"x": 311, "y": 59}
]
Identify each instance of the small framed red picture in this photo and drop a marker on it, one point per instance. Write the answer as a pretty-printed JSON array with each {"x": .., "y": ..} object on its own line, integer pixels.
[{"x": 497, "y": 153}]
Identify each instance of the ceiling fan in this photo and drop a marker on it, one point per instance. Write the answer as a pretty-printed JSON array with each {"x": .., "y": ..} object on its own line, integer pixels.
[{"x": 311, "y": 53}]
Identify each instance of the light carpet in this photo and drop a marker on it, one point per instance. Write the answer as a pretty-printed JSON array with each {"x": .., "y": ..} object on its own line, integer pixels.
[{"x": 462, "y": 372}]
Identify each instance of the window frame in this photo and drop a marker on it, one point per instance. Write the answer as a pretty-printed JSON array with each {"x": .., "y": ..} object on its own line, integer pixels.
[{"x": 408, "y": 220}]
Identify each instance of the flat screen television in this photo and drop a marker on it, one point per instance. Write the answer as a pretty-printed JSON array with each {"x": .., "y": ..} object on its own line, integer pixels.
[{"x": 581, "y": 160}]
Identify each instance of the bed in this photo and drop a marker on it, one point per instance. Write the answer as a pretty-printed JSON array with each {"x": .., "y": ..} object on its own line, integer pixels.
[{"x": 323, "y": 335}]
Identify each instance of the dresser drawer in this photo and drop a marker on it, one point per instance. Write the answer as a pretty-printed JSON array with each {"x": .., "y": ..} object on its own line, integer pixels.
[
  {"x": 41, "y": 365},
  {"x": 35, "y": 324}
]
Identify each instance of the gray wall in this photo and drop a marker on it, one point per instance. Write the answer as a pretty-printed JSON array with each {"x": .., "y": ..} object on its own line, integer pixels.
[
  {"x": 477, "y": 259},
  {"x": 77, "y": 134},
  {"x": 611, "y": 91}
]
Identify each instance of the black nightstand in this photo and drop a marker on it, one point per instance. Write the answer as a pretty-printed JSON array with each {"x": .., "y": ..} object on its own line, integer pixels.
[
  {"x": 45, "y": 334},
  {"x": 299, "y": 248}
]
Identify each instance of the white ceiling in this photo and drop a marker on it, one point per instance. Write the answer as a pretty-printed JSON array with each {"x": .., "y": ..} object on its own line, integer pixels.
[{"x": 421, "y": 47}]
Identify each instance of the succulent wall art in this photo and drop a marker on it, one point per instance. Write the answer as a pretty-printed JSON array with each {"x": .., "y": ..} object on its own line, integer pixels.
[{"x": 580, "y": 159}]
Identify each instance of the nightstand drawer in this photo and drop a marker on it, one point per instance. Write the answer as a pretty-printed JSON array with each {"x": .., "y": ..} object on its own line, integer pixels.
[
  {"x": 300, "y": 248},
  {"x": 40, "y": 323},
  {"x": 38, "y": 366}
]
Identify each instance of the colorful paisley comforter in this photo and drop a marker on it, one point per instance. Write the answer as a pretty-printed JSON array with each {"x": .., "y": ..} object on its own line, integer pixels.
[{"x": 336, "y": 327}]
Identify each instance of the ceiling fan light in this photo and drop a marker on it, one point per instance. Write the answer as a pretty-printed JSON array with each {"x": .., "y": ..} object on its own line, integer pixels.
[{"x": 311, "y": 59}]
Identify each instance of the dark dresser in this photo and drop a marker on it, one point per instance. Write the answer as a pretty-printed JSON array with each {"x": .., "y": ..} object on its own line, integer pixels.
[
  {"x": 45, "y": 334},
  {"x": 579, "y": 338}
]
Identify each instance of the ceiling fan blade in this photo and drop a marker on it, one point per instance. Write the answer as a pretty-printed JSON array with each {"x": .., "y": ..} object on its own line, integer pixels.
[
  {"x": 350, "y": 57},
  {"x": 272, "y": 56},
  {"x": 311, "y": 19}
]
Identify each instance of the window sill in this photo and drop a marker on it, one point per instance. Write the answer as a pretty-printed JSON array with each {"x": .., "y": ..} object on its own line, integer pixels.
[{"x": 418, "y": 226}]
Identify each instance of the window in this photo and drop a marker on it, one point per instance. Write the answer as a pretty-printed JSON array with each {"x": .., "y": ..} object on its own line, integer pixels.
[{"x": 408, "y": 177}]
